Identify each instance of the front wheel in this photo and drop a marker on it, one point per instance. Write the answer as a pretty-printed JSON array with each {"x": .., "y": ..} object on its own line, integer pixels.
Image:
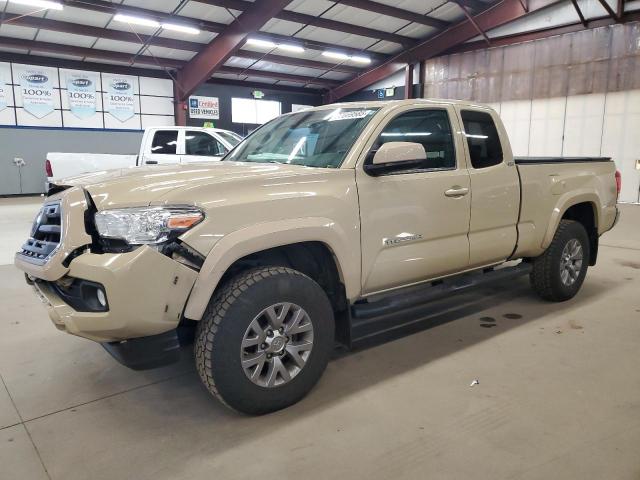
[
  {"x": 558, "y": 273},
  {"x": 265, "y": 339}
]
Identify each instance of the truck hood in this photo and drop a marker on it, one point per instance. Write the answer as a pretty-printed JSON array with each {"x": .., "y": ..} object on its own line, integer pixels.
[{"x": 147, "y": 185}]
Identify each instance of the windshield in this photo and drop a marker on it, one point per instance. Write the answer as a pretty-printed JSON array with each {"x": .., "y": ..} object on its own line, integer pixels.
[
  {"x": 230, "y": 137},
  {"x": 319, "y": 138}
]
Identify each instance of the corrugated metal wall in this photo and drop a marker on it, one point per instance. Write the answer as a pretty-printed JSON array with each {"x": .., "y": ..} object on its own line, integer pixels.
[
  {"x": 600, "y": 60},
  {"x": 575, "y": 94}
]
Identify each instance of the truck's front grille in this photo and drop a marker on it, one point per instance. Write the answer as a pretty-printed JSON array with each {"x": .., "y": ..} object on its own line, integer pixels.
[{"x": 45, "y": 234}]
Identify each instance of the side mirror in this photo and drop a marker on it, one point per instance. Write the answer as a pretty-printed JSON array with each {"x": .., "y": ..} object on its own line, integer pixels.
[{"x": 395, "y": 156}]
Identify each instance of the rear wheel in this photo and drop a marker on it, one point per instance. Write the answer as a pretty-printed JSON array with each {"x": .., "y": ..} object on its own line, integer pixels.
[
  {"x": 265, "y": 339},
  {"x": 558, "y": 273}
]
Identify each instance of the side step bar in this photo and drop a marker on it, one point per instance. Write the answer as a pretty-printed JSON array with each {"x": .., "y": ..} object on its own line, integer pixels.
[{"x": 389, "y": 312}]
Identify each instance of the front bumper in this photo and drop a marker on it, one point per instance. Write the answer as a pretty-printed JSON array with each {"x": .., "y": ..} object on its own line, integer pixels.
[{"x": 146, "y": 293}]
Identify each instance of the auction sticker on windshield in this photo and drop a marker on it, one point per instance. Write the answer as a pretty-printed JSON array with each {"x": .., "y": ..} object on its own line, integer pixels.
[{"x": 348, "y": 115}]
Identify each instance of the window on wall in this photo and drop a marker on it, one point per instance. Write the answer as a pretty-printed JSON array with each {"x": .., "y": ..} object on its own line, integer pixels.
[
  {"x": 431, "y": 129},
  {"x": 485, "y": 148},
  {"x": 200, "y": 143},
  {"x": 256, "y": 112},
  {"x": 296, "y": 107},
  {"x": 165, "y": 141}
]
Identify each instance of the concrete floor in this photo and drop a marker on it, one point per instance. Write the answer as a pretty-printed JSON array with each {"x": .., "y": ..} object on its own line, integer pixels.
[{"x": 559, "y": 393}]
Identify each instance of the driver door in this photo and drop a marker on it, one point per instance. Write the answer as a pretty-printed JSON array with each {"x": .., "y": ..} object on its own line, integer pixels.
[{"x": 415, "y": 222}]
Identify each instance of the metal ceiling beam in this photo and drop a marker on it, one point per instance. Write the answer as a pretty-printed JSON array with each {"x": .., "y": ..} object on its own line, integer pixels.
[
  {"x": 463, "y": 7},
  {"x": 496, "y": 15},
  {"x": 296, "y": 62},
  {"x": 48, "y": 47},
  {"x": 395, "y": 12},
  {"x": 579, "y": 12},
  {"x": 612, "y": 13},
  {"x": 303, "y": 79},
  {"x": 47, "y": 60},
  {"x": 264, "y": 86},
  {"x": 113, "y": 8},
  {"x": 214, "y": 54},
  {"x": 303, "y": 18}
]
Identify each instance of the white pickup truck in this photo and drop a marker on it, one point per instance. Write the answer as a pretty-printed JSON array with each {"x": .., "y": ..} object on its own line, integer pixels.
[{"x": 160, "y": 145}]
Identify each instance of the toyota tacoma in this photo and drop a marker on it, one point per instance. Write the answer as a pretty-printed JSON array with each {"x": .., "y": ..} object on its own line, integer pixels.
[{"x": 322, "y": 227}]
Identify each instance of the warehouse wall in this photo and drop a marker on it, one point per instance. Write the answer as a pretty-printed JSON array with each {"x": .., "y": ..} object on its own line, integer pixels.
[
  {"x": 33, "y": 144},
  {"x": 24, "y": 136},
  {"x": 573, "y": 94},
  {"x": 153, "y": 102},
  {"x": 225, "y": 93}
]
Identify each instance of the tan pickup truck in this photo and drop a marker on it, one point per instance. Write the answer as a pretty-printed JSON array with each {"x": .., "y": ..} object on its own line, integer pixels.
[{"x": 315, "y": 229}]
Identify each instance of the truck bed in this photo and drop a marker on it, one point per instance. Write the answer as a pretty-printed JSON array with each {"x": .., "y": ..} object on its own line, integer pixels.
[{"x": 549, "y": 185}]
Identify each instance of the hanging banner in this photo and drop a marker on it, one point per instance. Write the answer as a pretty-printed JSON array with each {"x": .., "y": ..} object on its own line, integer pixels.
[
  {"x": 204, "y": 107},
  {"x": 120, "y": 97},
  {"x": 81, "y": 91},
  {"x": 37, "y": 92},
  {"x": 3, "y": 92}
]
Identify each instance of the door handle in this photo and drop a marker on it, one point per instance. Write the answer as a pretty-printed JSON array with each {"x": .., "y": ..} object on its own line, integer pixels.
[
  {"x": 456, "y": 192},
  {"x": 151, "y": 162}
]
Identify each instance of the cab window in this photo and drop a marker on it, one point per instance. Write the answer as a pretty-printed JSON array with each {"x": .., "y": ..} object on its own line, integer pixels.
[
  {"x": 480, "y": 130},
  {"x": 432, "y": 129},
  {"x": 203, "y": 144},
  {"x": 165, "y": 142}
]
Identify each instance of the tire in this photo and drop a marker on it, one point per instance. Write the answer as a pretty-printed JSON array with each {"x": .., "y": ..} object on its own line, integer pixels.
[
  {"x": 229, "y": 347},
  {"x": 555, "y": 277}
]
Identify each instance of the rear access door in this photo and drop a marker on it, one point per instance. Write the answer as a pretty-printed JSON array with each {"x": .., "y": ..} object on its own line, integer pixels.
[{"x": 495, "y": 187}]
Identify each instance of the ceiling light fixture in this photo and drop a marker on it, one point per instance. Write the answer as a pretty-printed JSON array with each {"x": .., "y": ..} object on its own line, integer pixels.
[
  {"x": 360, "y": 59},
  {"x": 344, "y": 56},
  {"x": 336, "y": 55},
  {"x": 290, "y": 48},
  {"x": 180, "y": 28},
  {"x": 147, "y": 22},
  {"x": 46, "y": 4},
  {"x": 261, "y": 43}
]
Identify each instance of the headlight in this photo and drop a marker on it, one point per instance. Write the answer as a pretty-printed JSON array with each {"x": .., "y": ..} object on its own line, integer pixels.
[{"x": 146, "y": 225}]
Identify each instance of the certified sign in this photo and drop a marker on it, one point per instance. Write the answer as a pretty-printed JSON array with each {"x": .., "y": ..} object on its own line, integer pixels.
[{"x": 204, "y": 107}]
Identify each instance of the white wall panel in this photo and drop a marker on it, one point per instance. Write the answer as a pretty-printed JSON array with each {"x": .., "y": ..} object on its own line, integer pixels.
[
  {"x": 621, "y": 139},
  {"x": 54, "y": 119},
  {"x": 7, "y": 116},
  {"x": 156, "y": 105},
  {"x": 132, "y": 124},
  {"x": 71, "y": 121},
  {"x": 156, "y": 86},
  {"x": 516, "y": 116},
  {"x": 547, "y": 127},
  {"x": 583, "y": 125},
  {"x": 157, "y": 121}
]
